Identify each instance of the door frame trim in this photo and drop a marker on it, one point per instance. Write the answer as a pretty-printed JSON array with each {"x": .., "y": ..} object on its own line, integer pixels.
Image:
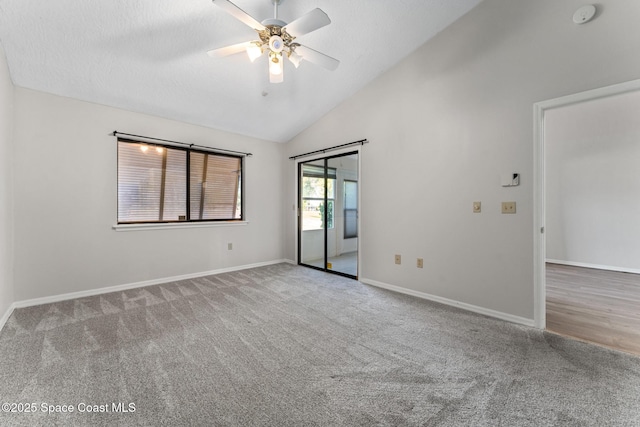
[{"x": 539, "y": 212}]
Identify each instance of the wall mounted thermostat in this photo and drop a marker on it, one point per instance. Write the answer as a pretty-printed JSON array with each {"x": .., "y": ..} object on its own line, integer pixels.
[
  {"x": 510, "y": 179},
  {"x": 584, "y": 14}
]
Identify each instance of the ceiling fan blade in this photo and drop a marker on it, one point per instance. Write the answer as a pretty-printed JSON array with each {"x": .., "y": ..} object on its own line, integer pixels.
[
  {"x": 308, "y": 23},
  {"x": 317, "y": 58},
  {"x": 239, "y": 14},
  {"x": 229, "y": 50}
]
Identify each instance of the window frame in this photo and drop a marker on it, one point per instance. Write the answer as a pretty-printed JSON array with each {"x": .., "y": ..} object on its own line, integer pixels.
[
  {"x": 187, "y": 222},
  {"x": 346, "y": 234}
]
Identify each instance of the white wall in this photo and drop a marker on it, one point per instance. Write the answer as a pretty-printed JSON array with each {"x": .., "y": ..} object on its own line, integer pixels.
[
  {"x": 592, "y": 180},
  {"x": 65, "y": 202},
  {"x": 446, "y": 122},
  {"x": 6, "y": 187}
]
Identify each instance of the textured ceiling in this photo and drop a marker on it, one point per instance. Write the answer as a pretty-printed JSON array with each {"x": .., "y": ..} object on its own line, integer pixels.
[{"x": 150, "y": 56}]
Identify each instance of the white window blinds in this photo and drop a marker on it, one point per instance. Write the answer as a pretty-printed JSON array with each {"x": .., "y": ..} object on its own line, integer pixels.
[
  {"x": 215, "y": 186},
  {"x": 153, "y": 186}
]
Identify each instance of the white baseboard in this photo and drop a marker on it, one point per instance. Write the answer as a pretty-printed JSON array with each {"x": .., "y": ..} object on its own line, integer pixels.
[
  {"x": 124, "y": 287},
  {"x": 469, "y": 307},
  {"x": 594, "y": 266}
]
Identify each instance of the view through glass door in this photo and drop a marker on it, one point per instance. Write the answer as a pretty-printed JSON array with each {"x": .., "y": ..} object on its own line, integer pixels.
[{"x": 328, "y": 219}]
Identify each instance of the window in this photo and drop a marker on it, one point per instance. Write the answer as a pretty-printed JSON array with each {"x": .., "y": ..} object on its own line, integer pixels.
[
  {"x": 313, "y": 197},
  {"x": 158, "y": 183},
  {"x": 350, "y": 209}
]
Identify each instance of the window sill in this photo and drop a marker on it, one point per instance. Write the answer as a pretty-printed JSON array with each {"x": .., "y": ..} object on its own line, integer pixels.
[{"x": 173, "y": 225}]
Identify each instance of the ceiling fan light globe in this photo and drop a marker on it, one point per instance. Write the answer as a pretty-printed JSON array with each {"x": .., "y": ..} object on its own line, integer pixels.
[
  {"x": 276, "y": 71},
  {"x": 295, "y": 59},
  {"x": 276, "y": 78},
  {"x": 254, "y": 52},
  {"x": 276, "y": 65}
]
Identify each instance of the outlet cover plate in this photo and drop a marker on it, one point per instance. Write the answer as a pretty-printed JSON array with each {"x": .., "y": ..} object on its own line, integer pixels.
[{"x": 508, "y": 207}]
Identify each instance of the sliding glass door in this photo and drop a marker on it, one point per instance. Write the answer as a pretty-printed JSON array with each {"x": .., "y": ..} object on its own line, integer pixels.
[{"x": 328, "y": 214}]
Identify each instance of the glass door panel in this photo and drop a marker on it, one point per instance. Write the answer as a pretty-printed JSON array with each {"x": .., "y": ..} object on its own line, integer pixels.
[
  {"x": 328, "y": 216},
  {"x": 342, "y": 239},
  {"x": 312, "y": 192}
]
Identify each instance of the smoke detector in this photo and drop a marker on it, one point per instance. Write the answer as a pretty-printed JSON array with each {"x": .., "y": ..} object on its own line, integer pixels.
[{"x": 584, "y": 14}]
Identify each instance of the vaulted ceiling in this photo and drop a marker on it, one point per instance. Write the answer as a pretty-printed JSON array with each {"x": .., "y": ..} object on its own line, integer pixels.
[{"x": 150, "y": 56}]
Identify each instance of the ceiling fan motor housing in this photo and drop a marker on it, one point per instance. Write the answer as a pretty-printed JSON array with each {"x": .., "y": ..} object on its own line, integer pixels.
[
  {"x": 275, "y": 35},
  {"x": 273, "y": 22}
]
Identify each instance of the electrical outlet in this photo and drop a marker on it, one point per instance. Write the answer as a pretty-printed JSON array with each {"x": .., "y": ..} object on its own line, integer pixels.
[
  {"x": 420, "y": 263},
  {"x": 229, "y": 246},
  {"x": 398, "y": 259},
  {"x": 508, "y": 207},
  {"x": 477, "y": 207}
]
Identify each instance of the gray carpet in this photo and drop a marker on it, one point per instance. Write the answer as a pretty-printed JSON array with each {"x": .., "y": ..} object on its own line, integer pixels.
[{"x": 290, "y": 346}]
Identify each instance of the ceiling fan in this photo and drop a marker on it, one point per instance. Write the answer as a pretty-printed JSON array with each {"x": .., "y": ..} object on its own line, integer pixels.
[{"x": 277, "y": 39}]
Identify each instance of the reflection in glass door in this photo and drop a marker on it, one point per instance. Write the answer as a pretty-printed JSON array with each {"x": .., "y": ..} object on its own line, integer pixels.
[
  {"x": 328, "y": 215},
  {"x": 313, "y": 187}
]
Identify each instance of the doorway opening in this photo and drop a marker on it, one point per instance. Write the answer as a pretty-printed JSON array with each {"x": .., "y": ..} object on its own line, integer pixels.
[
  {"x": 328, "y": 211},
  {"x": 587, "y": 256}
]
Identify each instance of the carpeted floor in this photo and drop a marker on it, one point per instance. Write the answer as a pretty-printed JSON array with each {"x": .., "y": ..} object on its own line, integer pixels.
[{"x": 289, "y": 346}]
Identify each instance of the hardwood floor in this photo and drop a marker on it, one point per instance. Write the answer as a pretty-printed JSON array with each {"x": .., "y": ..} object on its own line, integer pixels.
[{"x": 594, "y": 305}]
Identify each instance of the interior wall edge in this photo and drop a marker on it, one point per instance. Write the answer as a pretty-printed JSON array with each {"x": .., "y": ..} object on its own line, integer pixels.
[{"x": 7, "y": 184}]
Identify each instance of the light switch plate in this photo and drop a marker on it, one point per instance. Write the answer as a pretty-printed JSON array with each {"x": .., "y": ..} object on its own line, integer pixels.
[{"x": 510, "y": 179}]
